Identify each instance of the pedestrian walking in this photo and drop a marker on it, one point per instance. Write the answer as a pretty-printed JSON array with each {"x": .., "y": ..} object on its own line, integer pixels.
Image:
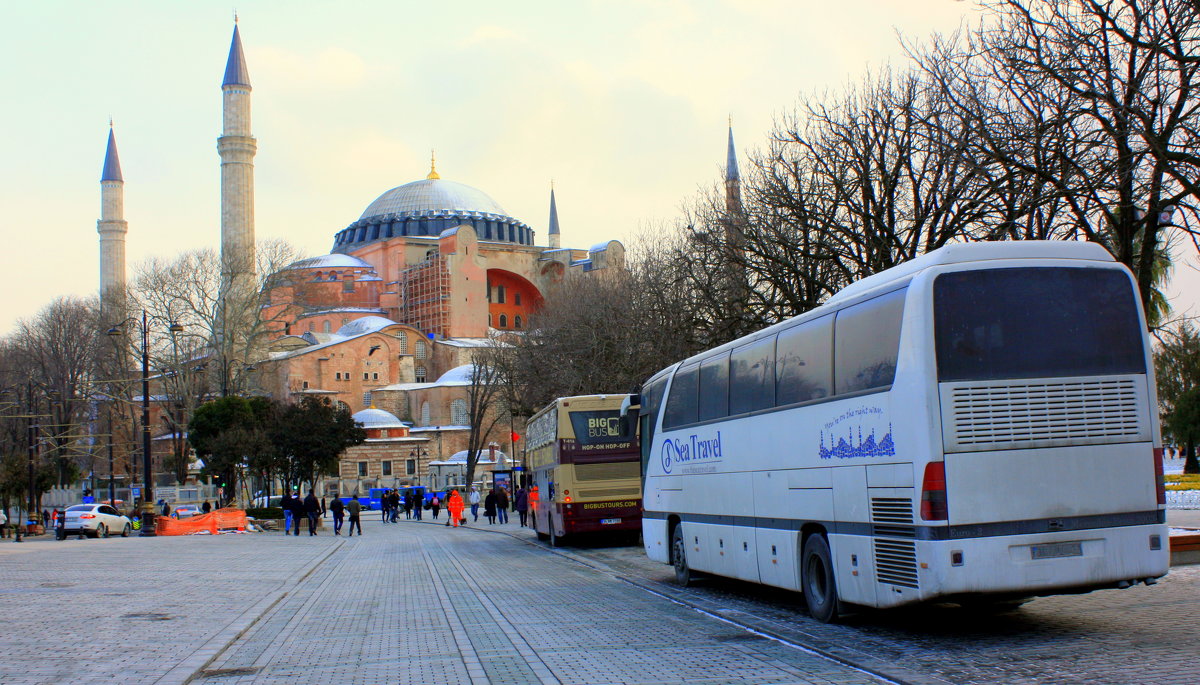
[
  {"x": 502, "y": 505},
  {"x": 297, "y": 513},
  {"x": 166, "y": 509},
  {"x": 474, "y": 498},
  {"x": 489, "y": 507},
  {"x": 323, "y": 510},
  {"x": 385, "y": 503},
  {"x": 206, "y": 507},
  {"x": 354, "y": 508},
  {"x": 285, "y": 503},
  {"x": 339, "y": 511},
  {"x": 454, "y": 506},
  {"x": 418, "y": 503},
  {"x": 521, "y": 504},
  {"x": 394, "y": 498},
  {"x": 408, "y": 503},
  {"x": 312, "y": 510},
  {"x": 436, "y": 505}
]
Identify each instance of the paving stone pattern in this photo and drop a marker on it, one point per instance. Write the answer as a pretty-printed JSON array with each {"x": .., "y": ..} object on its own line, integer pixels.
[
  {"x": 416, "y": 603},
  {"x": 1138, "y": 635},
  {"x": 407, "y": 603}
]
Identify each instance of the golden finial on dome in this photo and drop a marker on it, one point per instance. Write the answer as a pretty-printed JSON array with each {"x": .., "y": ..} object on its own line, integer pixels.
[{"x": 433, "y": 174}]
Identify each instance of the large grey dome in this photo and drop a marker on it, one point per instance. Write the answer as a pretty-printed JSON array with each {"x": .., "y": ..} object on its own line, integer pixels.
[
  {"x": 425, "y": 209},
  {"x": 432, "y": 195}
]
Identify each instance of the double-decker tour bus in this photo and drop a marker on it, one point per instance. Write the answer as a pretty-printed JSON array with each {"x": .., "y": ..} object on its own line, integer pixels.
[
  {"x": 976, "y": 425},
  {"x": 584, "y": 468}
]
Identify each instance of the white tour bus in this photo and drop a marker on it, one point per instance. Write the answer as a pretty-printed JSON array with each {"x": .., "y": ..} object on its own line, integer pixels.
[{"x": 977, "y": 425}]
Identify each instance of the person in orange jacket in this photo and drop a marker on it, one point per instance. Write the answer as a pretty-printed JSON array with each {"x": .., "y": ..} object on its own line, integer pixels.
[{"x": 454, "y": 504}]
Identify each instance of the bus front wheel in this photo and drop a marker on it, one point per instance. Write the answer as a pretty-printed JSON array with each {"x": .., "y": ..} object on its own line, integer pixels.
[
  {"x": 820, "y": 588},
  {"x": 683, "y": 574}
]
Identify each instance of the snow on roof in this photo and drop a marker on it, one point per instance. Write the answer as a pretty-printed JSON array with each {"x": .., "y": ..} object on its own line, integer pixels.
[
  {"x": 367, "y": 324},
  {"x": 438, "y": 429},
  {"x": 467, "y": 342},
  {"x": 378, "y": 418},
  {"x": 331, "y": 260},
  {"x": 459, "y": 375},
  {"x": 461, "y": 458}
]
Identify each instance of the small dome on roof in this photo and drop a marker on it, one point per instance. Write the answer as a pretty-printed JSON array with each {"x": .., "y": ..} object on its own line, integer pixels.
[
  {"x": 459, "y": 375},
  {"x": 378, "y": 418},
  {"x": 367, "y": 324},
  {"x": 332, "y": 261}
]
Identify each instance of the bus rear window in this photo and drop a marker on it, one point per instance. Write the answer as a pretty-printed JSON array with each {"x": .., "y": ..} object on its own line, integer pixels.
[{"x": 1036, "y": 322}]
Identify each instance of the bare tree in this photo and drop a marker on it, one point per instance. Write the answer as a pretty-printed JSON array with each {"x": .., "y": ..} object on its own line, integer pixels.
[{"x": 485, "y": 403}]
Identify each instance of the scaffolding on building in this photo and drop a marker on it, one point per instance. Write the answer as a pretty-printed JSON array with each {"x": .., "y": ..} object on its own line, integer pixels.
[{"x": 425, "y": 296}]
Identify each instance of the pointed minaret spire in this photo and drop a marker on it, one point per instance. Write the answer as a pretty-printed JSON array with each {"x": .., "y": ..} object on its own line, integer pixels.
[
  {"x": 112, "y": 163},
  {"x": 733, "y": 182},
  {"x": 555, "y": 238},
  {"x": 112, "y": 228},
  {"x": 433, "y": 174},
  {"x": 235, "y": 67}
]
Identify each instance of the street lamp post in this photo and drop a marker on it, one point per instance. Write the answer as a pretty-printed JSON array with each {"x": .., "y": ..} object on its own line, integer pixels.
[{"x": 147, "y": 474}]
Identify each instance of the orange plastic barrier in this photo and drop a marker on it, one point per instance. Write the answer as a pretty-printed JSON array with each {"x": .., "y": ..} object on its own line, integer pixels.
[{"x": 212, "y": 523}]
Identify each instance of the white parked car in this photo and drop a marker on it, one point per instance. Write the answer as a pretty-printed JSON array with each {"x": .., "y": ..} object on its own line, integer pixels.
[
  {"x": 96, "y": 520},
  {"x": 186, "y": 511}
]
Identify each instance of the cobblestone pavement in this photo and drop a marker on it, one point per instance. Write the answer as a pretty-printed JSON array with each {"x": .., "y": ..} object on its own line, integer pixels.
[
  {"x": 407, "y": 603},
  {"x": 1139, "y": 635}
]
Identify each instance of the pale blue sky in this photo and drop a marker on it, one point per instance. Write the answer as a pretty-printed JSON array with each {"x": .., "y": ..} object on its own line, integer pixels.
[{"x": 622, "y": 102}]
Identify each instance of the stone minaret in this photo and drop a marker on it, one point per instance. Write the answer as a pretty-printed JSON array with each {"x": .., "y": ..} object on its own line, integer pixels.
[
  {"x": 555, "y": 239},
  {"x": 237, "y": 147},
  {"x": 737, "y": 285},
  {"x": 111, "y": 226}
]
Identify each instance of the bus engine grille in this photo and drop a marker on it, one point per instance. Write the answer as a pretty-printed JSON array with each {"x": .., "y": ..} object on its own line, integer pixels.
[
  {"x": 1007, "y": 415},
  {"x": 896, "y": 562}
]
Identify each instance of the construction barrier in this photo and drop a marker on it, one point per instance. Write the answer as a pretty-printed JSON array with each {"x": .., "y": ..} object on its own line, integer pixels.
[{"x": 220, "y": 521}]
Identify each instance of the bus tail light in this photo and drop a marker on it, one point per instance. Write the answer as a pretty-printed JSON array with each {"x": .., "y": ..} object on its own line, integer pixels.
[
  {"x": 1160, "y": 488},
  {"x": 933, "y": 492}
]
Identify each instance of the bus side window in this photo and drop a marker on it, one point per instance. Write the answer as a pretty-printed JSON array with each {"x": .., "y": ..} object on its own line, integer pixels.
[
  {"x": 752, "y": 377},
  {"x": 804, "y": 362},
  {"x": 867, "y": 342},
  {"x": 681, "y": 402},
  {"x": 648, "y": 416},
  {"x": 714, "y": 388}
]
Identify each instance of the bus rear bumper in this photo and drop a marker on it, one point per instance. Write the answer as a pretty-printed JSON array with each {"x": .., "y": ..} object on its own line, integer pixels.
[{"x": 1044, "y": 563}]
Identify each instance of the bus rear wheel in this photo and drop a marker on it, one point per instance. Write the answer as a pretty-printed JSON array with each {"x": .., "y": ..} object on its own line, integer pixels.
[
  {"x": 683, "y": 574},
  {"x": 820, "y": 587}
]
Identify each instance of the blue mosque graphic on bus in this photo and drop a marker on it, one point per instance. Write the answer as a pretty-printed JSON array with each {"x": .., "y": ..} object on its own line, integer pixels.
[{"x": 845, "y": 447}]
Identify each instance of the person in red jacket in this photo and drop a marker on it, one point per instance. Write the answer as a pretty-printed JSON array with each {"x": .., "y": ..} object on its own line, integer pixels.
[{"x": 454, "y": 503}]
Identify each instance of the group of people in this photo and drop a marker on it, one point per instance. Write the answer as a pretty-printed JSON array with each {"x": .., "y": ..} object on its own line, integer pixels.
[
  {"x": 309, "y": 508},
  {"x": 496, "y": 505}
]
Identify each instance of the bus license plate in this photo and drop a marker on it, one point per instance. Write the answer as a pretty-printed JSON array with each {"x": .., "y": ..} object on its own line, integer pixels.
[
  {"x": 1056, "y": 550},
  {"x": 605, "y": 522}
]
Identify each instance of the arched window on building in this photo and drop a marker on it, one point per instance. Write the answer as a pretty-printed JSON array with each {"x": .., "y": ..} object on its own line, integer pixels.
[
  {"x": 419, "y": 372},
  {"x": 420, "y": 349},
  {"x": 424, "y": 413},
  {"x": 504, "y": 321},
  {"x": 403, "y": 343},
  {"x": 326, "y": 327},
  {"x": 458, "y": 413},
  {"x": 517, "y": 321}
]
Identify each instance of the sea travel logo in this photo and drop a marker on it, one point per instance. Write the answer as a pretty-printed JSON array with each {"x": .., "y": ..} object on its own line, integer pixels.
[{"x": 690, "y": 450}]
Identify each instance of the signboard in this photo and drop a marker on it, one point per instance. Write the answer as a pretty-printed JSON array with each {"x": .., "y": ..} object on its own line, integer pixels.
[
  {"x": 137, "y": 492},
  {"x": 89, "y": 500},
  {"x": 502, "y": 479}
]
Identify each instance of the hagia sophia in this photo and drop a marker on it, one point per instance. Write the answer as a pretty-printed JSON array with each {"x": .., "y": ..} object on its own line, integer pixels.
[{"x": 387, "y": 323}]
